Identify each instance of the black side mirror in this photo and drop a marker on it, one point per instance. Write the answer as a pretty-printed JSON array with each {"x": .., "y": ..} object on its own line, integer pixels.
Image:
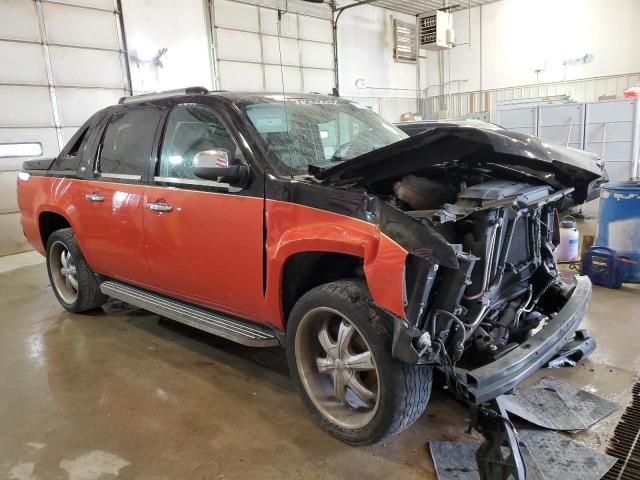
[{"x": 214, "y": 165}]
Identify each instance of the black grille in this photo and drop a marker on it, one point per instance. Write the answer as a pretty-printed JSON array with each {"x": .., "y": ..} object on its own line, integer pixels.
[
  {"x": 520, "y": 248},
  {"x": 625, "y": 443}
]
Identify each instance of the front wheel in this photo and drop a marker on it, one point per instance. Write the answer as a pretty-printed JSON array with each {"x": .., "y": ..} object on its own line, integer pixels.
[
  {"x": 339, "y": 351},
  {"x": 73, "y": 282}
]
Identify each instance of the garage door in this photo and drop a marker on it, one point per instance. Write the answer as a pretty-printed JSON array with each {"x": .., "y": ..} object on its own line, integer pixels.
[
  {"x": 61, "y": 61},
  {"x": 248, "y": 54}
]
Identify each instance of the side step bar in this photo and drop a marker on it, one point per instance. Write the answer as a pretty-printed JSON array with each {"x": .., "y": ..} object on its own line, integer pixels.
[{"x": 218, "y": 324}]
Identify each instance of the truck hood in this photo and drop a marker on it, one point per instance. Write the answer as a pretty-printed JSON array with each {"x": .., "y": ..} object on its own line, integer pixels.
[{"x": 499, "y": 151}]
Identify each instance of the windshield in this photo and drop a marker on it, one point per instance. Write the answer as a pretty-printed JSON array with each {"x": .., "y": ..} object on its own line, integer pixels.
[{"x": 322, "y": 132}]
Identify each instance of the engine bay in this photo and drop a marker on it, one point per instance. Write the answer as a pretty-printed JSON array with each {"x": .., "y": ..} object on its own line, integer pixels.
[{"x": 508, "y": 284}]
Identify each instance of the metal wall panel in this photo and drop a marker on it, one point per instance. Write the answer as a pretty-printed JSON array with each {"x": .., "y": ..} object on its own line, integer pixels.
[
  {"x": 519, "y": 119},
  {"x": 273, "y": 78},
  {"x": 562, "y": 124},
  {"x": 241, "y": 76},
  {"x": 317, "y": 55},
  {"x": 78, "y": 104},
  {"x": 237, "y": 16},
  {"x": 86, "y": 68},
  {"x": 101, "y": 4},
  {"x": 24, "y": 106},
  {"x": 11, "y": 236},
  {"x": 18, "y": 21},
  {"x": 317, "y": 81},
  {"x": 238, "y": 46},
  {"x": 288, "y": 46},
  {"x": 315, "y": 29},
  {"x": 29, "y": 57},
  {"x": 80, "y": 27},
  {"x": 246, "y": 36}
]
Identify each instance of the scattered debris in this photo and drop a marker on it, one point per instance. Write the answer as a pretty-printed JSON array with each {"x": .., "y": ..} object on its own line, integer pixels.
[
  {"x": 580, "y": 347},
  {"x": 558, "y": 406},
  {"x": 547, "y": 456}
]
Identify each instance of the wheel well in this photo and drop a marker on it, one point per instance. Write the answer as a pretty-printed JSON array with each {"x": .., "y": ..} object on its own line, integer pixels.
[
  {"x": 304, "y": 271},
  {"x": 49, "y": 222}
]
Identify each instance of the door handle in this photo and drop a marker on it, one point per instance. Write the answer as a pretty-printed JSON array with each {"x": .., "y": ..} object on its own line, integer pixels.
[
  {"x": 159, "y": 207},
  {"x": 94, "y": 197}
]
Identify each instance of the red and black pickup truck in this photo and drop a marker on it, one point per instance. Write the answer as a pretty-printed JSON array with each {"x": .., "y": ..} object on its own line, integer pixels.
[{"x": 308, "y": 221}]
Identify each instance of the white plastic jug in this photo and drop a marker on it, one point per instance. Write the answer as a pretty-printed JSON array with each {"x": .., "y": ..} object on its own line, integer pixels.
[{"x": 567, "y": 250}]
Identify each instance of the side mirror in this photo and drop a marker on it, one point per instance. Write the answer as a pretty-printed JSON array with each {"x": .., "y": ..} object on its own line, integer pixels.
[{"x": 213, "y": 164}]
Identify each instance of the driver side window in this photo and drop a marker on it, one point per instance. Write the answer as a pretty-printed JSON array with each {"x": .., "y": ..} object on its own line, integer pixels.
[{"x": 192, "y": 129}]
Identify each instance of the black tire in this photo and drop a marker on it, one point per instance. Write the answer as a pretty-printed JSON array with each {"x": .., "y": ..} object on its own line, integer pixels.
[
  {"x": 88, "y": 295},
  {"x": 403, "y": 390}
]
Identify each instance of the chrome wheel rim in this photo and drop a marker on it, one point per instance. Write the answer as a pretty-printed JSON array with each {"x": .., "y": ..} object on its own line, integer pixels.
[
  {"x": 63, "y": 272},
  {"x": 337, "y": 368}
]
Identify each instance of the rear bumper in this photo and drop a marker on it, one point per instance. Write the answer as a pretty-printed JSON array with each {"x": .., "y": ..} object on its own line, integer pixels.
[{"x": 488, "y": 382}]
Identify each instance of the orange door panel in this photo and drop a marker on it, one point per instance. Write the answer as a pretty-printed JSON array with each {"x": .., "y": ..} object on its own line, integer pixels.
[
  {"x": 108, "y": 218},
  {"x": 206, "y": 248}
]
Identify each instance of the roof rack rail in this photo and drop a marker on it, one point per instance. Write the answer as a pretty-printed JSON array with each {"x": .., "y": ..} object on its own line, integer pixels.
[{"x": 166, "y": 93}]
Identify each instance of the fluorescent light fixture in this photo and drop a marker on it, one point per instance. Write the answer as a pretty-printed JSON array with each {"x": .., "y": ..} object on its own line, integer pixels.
[{"x": 31, "y": 149}]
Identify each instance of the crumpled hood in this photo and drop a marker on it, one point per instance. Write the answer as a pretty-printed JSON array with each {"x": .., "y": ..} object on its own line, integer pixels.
[{"x": 490, "y": 148}]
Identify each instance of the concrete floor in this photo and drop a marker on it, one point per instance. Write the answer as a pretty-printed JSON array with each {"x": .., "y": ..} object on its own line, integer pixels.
[{"x": 125, "y": 394}]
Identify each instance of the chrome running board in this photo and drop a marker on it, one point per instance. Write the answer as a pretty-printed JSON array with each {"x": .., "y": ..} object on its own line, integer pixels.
[{"x": 218, "y": 324}]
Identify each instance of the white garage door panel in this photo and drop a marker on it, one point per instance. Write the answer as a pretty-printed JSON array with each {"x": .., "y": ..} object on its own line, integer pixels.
[
  {"x": 318, "y": 55},
  {"x": 103, "y": 4},
  {"x": 78, "y": 104},
  {"x": 236, "y": 76},
  {"x": 11, "y": 237},
  {"x": 269, "y": 23},
  {"x": 25, "y": 106},
  {"x": 317, "y": 81},
  {"x": 68, "y": 132},
  {"x": 273, "y": 79},
  {"x": 8, "y": 200},
  {"x": 289, "y": 47},
  {"x": 45, "y": 136},
  {"x": 315, "y": 29},
  {"x": 91, "y": 28},
  {"x": 234, "y": 45},
  {"x": 18, "y": 20},
  {"x": 236, "y": 15},
  {"x": 83, "y": 67},
  {"x": 22, "y": 63}
]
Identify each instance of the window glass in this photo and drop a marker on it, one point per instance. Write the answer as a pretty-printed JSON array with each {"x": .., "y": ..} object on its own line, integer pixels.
[
  {"x": 316, "y": 131},
  {"x": 192, "y": 129},
  {"x": 127, "y": 142},
  {"x": 71, "y": 159}
]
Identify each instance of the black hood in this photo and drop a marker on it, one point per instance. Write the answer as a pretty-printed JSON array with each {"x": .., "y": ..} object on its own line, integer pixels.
[{"x": 493, "y": 149}]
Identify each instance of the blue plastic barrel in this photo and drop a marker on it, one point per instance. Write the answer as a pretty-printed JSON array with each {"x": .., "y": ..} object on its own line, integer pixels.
[{"x": 619, "y": 224}]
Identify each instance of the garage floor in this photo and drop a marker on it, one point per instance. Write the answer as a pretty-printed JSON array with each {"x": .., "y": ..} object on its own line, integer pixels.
[{"x": 127, "y": 394}]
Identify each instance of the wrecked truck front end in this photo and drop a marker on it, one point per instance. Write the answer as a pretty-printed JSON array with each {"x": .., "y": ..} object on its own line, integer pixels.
[{"x": 484, "y": 300}]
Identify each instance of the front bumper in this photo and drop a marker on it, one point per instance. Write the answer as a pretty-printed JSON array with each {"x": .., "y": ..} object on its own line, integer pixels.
[{"x": 488, "y": 382}]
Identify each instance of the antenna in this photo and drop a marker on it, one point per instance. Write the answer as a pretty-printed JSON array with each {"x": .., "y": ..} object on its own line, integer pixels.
[{"x": 284, "y": 95}]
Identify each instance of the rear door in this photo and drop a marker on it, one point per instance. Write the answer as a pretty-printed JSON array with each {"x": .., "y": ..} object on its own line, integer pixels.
[
  {"x": 110, "y": 202},
  {"x": 205, "y": 244}
]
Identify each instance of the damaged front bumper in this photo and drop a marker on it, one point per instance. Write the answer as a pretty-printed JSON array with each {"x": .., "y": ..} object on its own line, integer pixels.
[{"x": 490, "y": 381}]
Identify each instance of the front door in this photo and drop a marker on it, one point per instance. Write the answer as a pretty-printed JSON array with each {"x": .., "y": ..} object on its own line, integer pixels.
[
  {"x": 204, "y": 238},
  {"x": 110, "y": 202}
]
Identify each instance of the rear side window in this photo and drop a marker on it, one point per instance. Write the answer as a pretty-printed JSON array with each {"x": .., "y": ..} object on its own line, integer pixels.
[
  {"x": 70, "y": 159},
  {"x": 127, "y": 142}
]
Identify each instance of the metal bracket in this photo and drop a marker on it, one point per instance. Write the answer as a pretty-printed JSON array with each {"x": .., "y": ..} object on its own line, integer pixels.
[{"x": 499, "y": 457}]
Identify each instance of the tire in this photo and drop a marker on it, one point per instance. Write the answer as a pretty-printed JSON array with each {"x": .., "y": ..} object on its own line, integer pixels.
[
  {"x": 63, "y": 258},
  {"x": 401, "y": 391}
]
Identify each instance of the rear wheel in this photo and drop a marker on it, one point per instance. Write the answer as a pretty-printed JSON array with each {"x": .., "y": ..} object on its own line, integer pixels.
[
  {"x": 339, "y": 349},
  {"x": 73, "y": 282}
]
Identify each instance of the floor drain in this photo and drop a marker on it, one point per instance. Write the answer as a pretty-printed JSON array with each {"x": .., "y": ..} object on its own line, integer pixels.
[{"x": 625, "y": 443}]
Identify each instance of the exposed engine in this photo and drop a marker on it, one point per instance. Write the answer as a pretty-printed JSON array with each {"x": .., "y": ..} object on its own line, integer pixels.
[{"x": 503, "y": 231}]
